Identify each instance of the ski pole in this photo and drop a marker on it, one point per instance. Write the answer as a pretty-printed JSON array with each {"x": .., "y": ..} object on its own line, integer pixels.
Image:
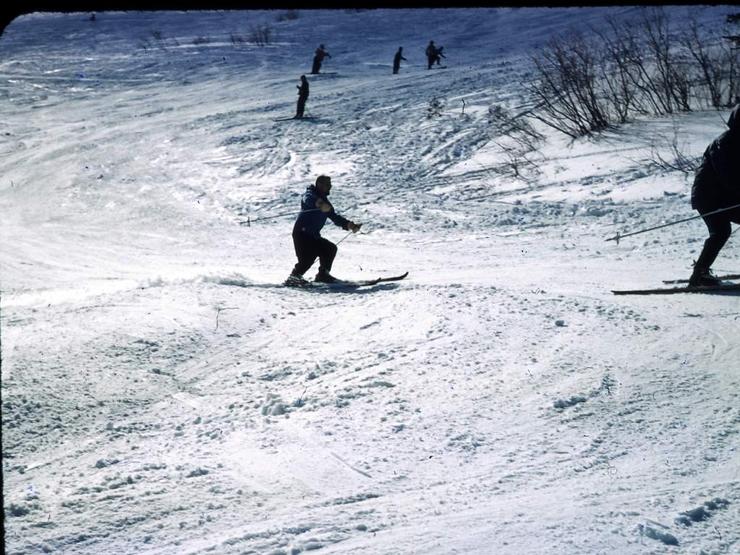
[
  {"x": 618, "y": 236},
  {"x": 343, "y": 238},
  {"x": 249, "y": 220}
]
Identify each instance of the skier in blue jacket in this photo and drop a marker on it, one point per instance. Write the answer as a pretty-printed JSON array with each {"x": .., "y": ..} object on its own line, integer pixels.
[{"x": 307, "y": 239}]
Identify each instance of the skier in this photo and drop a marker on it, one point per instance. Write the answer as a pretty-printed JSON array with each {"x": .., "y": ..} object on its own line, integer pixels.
[
  {"x": 307, "y": 239},
  {"x": 318, "y": 58},
  {"x": 302, "y": 97},
  {"x": 716, "y": 186},
  {"x": 397, "y": 60},
  {"x": 431, "y": 53},
  {"x": 438, "y": 55}
]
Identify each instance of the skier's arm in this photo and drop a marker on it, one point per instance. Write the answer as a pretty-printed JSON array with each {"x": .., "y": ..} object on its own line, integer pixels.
[{"x": 338, "y": 220}]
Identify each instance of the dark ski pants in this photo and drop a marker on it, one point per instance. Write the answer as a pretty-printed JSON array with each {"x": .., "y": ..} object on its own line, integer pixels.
[
  {"x": 308, "y": 248},
  {"x": 301, "y": 107},
  {"x": 719, "y": 232},
  {"x": 316, "y": 65}
]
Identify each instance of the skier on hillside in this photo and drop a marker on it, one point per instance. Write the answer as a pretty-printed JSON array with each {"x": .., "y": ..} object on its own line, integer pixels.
[
  {"x": 318, "y": 58},
  {"x": 397, "y": 60},
  {"x": 439, "y": 55},
  {"x": 716, "y": 186},
  {"x": 307, "y": 239},
  {"x": 431, "y": 53},
  {"x": 302, "y": 97}
]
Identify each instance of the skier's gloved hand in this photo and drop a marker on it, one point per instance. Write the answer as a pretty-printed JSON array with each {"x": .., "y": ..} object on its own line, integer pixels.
[{"x": 353, "y": 227}]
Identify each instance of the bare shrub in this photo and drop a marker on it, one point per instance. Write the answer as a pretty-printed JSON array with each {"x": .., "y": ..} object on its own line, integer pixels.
[
  {"x": 583, "y": 84},
  {"x": 237, "y": 39},
  {"x": 616, "y": 70},
  {"x": 668, "y": 81},
  {"x": 289, "y": 15},
  {"x": 260, "y": 34},
  {"x": 435, "y": 107},
  {"x": 518, "y": 144},
  {"x": 566, "y": 86},
  {"x": 677, "y": 160}
]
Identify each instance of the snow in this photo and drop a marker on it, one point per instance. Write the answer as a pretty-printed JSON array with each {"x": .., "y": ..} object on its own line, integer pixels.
[{"x": 163, "y": 394}]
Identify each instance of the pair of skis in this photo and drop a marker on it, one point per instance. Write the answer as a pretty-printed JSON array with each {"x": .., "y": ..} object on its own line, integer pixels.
[
  {"x": 343, "y": 284},
  {"x": 728, "y": 286}
]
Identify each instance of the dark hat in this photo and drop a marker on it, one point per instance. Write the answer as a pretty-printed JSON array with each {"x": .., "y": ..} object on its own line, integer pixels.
[{"x": 323, "y": 180}]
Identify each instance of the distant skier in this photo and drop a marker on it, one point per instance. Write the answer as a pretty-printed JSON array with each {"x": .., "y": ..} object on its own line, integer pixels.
[
  {"x": 431, "y": 53},
  {"x": 716, "y": 186},
  {"x": 307, "y": 239},
  {"x": 397, "y": 60},
  {"x": 318, "y": 58},
  {"x": 302, "y": 97},
  {"x": 439, "y": 55}
]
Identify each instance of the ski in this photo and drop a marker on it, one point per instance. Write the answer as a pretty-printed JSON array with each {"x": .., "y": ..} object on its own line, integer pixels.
[
  {"x": 345, "y": 284},
  {"x": 294, "y": 118},
  {"x": 725, "y": 277},
  {"x": 687, "y": 289}
]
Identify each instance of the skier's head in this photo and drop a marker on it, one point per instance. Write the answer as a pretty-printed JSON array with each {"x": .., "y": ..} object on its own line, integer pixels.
[
  {"x": 733, "y": 122},
  {"x": 323, "y": 184},
  {"x": 303, "y": 77},
  {"x": 321, "y": 46}
]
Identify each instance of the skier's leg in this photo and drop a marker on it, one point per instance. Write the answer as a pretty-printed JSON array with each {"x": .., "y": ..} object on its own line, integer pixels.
[
  {"x": 719, "y": 231},
  {"x": 306, "y": 250},
  {"x": 327, "y": 252}
]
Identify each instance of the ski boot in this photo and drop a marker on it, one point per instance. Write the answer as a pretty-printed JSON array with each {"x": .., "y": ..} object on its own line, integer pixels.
[
  {"x": 703, "y": 277},
  {"x": 324, "y": 277},
  {"x": 295, "y": 280}
]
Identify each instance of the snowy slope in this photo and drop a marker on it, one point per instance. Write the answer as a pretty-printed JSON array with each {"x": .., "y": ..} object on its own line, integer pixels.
[{"x": 163, "y": 394}]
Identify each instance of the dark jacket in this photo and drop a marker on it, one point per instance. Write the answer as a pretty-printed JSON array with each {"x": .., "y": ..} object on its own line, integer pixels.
[
  {"x": 717, "y": 181},
  {"x": 397, "y": 58},
  {"x": 311, "y": 220},
  {"x": 303, "y": 89},
  {"x": 320, "y": 54}
]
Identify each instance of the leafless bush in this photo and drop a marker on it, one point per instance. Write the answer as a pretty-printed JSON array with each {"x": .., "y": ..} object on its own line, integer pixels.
[
  {"x": 616, "y": 70},
  {"x": 260, "y": 35},
  {"x": 435, "y": 107},
  {"x": 668, "y": 82},
  {"x": 236, "y": 39},
  {"x": 157, "y": 38},
  {"x": 583, "y": 84},
  {"x": 289, "y": 15},
  {"x": 677, "y": 160},
  {"x": 566, "y": 86},
  {"x": 716, "y": 65},
  {"x": 518, "y": 144}
]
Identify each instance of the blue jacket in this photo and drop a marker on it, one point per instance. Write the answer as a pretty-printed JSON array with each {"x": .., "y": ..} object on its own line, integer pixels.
[{"x": 311, "y": 220}]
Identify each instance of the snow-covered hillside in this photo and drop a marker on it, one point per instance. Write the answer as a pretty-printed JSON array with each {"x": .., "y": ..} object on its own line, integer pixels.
[{"x": 162, "y": 393}]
